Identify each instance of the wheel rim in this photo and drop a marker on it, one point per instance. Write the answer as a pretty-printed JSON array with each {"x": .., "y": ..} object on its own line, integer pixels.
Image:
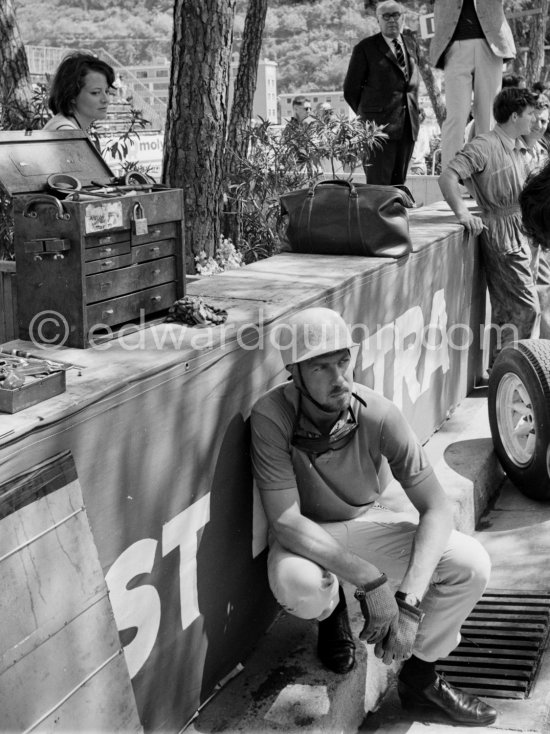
[{"x": 515, "y": 419}]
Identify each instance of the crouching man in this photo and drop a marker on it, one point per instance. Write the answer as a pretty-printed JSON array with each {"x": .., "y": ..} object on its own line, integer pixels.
[{"x": 318, "y": 445}]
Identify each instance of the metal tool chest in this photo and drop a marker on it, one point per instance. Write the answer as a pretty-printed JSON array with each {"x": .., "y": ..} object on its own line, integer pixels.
[{"x": 86, "y": 261}]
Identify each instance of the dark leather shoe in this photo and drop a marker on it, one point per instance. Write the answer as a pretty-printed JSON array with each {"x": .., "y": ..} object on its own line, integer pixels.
[
  {"x": 335, "y": 645},
  {"x": 461, "y": 707}
]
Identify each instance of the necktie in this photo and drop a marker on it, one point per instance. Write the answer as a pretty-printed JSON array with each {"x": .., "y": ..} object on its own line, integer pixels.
[{"x": 400, "y": 56}]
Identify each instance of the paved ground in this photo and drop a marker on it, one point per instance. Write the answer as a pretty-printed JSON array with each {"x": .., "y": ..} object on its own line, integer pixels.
[{"x": 283, "y": 687}]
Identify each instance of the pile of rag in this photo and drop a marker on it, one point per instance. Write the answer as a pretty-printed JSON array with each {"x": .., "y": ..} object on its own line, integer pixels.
[{"x": 193, "y": 311}]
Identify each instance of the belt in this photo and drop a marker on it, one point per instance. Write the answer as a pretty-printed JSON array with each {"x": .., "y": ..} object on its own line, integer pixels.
[{"x": 502, "y": 211}]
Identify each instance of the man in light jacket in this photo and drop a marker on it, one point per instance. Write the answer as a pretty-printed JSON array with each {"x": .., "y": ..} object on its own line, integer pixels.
[{"x": 472, "y": 39}]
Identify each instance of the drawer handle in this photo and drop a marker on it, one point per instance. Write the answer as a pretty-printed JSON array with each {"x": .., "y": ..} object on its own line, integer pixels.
[
  {"x": 105, "y": 240},
  {"x": 106, "y": 263},
  {"x": 155, "y": 299},
  {"x": 104, "y": 285},
  {"x": 156, "y": 272},
  {"x": 109, "y": 312},
  {"x": 156, "y": 231},
  {"x": 154, "y": 249},
  {"x": 106, "y": 251}
]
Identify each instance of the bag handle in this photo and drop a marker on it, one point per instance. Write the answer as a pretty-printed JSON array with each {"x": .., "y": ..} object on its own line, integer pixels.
[{"x": 339, "y": 182}]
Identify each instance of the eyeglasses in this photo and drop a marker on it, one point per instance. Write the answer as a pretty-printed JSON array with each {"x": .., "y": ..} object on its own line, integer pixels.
[
  {"x": 307, "y": 109},
  {"x": 391, "y": 16}
]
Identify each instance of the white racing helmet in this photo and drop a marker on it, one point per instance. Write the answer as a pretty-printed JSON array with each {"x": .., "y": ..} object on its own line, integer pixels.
[{"x": 311, "y": 333}]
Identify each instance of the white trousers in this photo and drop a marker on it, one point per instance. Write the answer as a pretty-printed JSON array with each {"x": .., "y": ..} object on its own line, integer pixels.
[
  {"x": 470, "y": 66},
  {"x": 384, "y": 538}
]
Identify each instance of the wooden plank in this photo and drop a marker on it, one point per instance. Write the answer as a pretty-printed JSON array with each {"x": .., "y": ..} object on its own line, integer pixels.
[
  {"x": 97, "y": 705},
  {"x": 42, "y": 479},
  {"x": 46, "y": 583},
  {"x": 60, "y": 653},
  {"x": 41, "y": 681},
  {"x": 50, "y": 578}
]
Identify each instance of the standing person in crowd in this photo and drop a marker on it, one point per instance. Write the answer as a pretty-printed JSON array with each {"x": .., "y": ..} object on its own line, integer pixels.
[
  {"x": 381, "y": 85},
  {"x": 301, "y": 115},
  {"x": 514, "y": 80},
  {"x": 80, "y": 92},
  {"x": 537, "y": 156},
  {"x": 472, "y": 39},
  {"x": 494, "y": 165},
  {"x": 318, "y": 444}
]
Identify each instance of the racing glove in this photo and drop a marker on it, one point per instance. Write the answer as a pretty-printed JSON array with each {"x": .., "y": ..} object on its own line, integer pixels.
[
  {"x": 379, "y": 608},
  {"x": 398, "y": 643}
]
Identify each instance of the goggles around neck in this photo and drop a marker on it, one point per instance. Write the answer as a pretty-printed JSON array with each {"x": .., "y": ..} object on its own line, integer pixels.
[{"x": 318, "y": 443}]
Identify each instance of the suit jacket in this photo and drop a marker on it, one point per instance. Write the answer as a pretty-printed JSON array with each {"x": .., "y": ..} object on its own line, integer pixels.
[
  {"x": 491, "y": 18},
  {"x": 376, "y": 89}
]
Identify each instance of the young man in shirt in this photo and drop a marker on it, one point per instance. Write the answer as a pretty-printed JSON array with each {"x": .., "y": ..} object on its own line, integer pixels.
[
  {"x": 494, "y": 167},
  {"x": 319, "y": 445}
]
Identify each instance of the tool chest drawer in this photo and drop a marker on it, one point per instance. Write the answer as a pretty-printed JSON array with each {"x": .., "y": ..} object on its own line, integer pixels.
[
  {"x": 125, "y": 308},
  {"x": 117, "y": 248},
  {"x": 126, "y": 280},
  {"x": 105, "y": 253},
  {"x": 162, "y": 231},
  {"x": 153, "y": 250},
  {"x": 107, "y": 263},
  {"x": 107, "y": 240}
]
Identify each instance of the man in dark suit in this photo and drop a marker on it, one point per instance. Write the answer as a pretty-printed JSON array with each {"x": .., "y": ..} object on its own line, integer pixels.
[{"x": 381, "y": 85}]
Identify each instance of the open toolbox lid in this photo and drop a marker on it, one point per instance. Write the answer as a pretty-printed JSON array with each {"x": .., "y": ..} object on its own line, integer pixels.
[{"x": 27, "y": 159}]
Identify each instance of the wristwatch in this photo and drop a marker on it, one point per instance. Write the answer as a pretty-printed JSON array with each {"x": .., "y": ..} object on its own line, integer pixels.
[{"x": 410, "y": 599}]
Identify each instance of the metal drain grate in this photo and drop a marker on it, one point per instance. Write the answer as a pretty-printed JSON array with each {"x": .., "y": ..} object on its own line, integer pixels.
[{"x": 503, "y": 640}]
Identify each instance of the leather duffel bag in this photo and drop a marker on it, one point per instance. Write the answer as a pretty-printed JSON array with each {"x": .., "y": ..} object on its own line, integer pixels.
[{"x": 339, "y": 217}]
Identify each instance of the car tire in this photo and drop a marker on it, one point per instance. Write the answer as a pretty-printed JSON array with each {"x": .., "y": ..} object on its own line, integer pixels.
[{"x": 519, "y": 414}]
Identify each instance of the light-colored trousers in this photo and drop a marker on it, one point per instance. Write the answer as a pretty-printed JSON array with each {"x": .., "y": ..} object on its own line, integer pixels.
[
  {"x": 470, "y": 66},
  {"x": 385, "y": 538}
]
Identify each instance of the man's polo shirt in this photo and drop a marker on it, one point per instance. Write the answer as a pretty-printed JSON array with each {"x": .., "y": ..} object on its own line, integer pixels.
[{"x": 336, "y": 485}]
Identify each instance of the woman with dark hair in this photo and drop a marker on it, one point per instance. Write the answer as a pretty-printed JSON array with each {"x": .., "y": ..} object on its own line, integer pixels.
[{"x": 80, "y": 92}]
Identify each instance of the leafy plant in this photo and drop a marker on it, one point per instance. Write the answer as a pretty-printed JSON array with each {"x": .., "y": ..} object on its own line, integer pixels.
[
  {"x": 433, "y": 157},
  {"x": 119, "y": 146},
  {"x": 227, "y": 257},
  {"x": 26, "y": 117},
  {"x": 278, "y": 162}
]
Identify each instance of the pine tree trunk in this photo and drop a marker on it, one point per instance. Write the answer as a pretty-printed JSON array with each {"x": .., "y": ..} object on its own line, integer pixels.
[
  {"x": 535, "y": 54},
  {"x": 245, "y": 82},
  {"x": 15, "y": 85},
  {"x": 243, "y": 99},
  {"x": 197, "y": 117}
]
